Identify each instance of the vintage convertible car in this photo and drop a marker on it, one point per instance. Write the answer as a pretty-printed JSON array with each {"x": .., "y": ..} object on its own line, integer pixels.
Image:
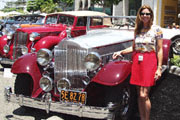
[
  {"x": 23, "y": 40},
  {"x": 27, "y": 20},
  {"x": 79, "y": 76}
]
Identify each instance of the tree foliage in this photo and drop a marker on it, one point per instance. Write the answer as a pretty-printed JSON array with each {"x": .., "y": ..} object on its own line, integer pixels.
[
  {"x": 46, "y": 6},
  {"x": 106, "y": 3},
  {"x": 65, "y": 3}
]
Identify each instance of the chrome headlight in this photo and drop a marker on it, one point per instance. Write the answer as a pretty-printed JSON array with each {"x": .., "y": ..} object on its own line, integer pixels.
[
  {"x": 4, "y": 31},
  {"x": 92, "y": 61},
  {"x": 63, "y": 84},
  {"x": 46, "y": 83},
  {"x": 34, "y": 36},
  {"x": 24, "y": 50},
  {"x": 44, "y": 56},
  {"x": 6, "y": 49},
  {"x": 1, "y": 27},
  {"x": 10, "y": 34}
]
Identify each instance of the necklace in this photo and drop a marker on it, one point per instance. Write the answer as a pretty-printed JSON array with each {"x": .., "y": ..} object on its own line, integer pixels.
[{"x": 145, "y": 27}]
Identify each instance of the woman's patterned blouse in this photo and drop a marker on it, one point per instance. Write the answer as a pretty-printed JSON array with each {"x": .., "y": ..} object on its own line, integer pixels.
[{"x": 146, "y": 41}]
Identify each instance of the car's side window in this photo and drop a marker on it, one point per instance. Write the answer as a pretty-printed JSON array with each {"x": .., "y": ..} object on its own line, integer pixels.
[
  {"x": 96, "y": 21},
  {"x": 68, "y": 20},
  {"x": 81, "y": 21},
  {"x": 51, "y": 20}
]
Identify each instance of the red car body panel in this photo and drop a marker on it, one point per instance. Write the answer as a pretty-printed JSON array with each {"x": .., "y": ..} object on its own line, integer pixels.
[
  {"x": 3, "y": 42},
  {"x": 113, "y": 73},
  {"x": 47, "y": 42},
  {"x": 27, "y": 64},
  {"x": 166, "y": 49}
]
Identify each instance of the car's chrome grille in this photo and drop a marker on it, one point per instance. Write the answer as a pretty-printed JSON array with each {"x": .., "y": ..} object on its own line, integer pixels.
[
  {"x": 20, "y": 40},
  {"x": 69, "y": 64}
]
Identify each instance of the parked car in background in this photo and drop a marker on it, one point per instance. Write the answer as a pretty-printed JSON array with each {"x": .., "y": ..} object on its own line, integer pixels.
[
  {"x": 27, "y": 20},
  {"x": 23, "y": 40},
  {"x": 79, "y": 76},
  {"x": 19, "y": 21}
]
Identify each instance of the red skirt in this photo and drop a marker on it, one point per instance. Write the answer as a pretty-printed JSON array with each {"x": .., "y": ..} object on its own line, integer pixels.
[{"x": 143, "y": 72}]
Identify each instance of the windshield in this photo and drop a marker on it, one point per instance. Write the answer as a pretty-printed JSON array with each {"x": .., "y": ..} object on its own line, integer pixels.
[
  {"x": 63, "y": 19},
  {"x": 25, "y": 19}
]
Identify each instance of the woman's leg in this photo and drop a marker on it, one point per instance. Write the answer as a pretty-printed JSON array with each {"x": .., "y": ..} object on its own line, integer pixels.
[{"x": 144, "y": 103}]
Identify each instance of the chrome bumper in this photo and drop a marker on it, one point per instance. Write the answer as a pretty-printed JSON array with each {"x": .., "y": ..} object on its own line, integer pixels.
[
  {"x": 6, "y": 61},
  {"x": 45, "y": 103}
]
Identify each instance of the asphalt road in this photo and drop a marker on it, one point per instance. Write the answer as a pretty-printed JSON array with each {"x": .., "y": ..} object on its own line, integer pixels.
[{"x": 165, "y": 102}]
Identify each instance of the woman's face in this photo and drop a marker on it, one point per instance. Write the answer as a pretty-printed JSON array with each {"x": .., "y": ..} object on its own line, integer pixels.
[{"x": 145, "y": 16}]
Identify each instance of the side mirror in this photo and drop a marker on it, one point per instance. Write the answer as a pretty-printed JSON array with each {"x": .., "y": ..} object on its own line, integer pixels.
[{"x": 68, "y": 31}]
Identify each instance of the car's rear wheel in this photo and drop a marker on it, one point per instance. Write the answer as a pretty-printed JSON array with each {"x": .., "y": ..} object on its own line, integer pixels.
[
  {"x": 176, "y": 46},
  {"x": 174, "y": 50}
]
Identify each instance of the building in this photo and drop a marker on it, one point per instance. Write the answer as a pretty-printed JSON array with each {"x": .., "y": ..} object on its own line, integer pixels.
[{"x": 165, "y": 11}]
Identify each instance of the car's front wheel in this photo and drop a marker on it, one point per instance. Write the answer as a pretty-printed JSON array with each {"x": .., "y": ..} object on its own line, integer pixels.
[
  {"x": 120, "y": 99},
  {"x": 123, "y": 102},
  {"x": 23, "y": 86}
]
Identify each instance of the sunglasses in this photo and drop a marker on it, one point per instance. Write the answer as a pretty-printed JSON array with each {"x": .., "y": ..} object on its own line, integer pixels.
[{"x": 145, "y": 13}]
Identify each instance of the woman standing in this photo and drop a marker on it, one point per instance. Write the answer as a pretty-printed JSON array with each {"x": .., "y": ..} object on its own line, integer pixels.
[{"x": 147, "y": 60}]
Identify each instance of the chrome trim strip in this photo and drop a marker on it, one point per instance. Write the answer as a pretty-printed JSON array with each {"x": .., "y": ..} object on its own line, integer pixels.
[
  {"x": 45, "y": 103},
  {"x": 6, "y": 61}
]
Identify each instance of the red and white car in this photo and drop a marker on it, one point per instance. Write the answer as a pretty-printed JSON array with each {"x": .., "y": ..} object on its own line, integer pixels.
[{"x": 18, "y": 42}]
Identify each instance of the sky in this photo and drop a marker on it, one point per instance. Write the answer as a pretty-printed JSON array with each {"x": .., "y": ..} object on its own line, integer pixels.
[{"x": 3, "y": 3}]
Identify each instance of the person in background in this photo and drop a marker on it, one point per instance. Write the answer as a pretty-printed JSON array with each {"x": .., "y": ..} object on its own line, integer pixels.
[
  {"x": 174, "y": 26},
  {"x": 177, "y": 26},
  {"x": 147, "y": 58}
]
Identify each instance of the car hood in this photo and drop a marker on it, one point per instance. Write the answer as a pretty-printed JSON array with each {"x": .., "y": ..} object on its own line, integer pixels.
[
  {"x": 101, "y": 37},
  {"x": 43, "y": 28},
  {"x": 170, "y": 33}
]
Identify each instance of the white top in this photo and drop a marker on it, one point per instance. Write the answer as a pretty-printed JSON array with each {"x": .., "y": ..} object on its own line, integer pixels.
[{"x": 146, "y": 41}]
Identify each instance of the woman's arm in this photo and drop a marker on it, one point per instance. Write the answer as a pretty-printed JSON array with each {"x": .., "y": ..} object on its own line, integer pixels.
[
  {"x": 159, "y": 58},
  {"x": 123, "y": 52},
  {"x": 160, "y": 53}
]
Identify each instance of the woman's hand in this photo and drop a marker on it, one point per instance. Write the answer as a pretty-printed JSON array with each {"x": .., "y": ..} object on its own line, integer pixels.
[
  {"x": 116, "y": 54},
  {"x": 158, "y": 73}
]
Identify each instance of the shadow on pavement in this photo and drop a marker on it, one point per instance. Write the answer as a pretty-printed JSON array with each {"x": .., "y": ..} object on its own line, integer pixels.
[{"x": 38, "y": 114}]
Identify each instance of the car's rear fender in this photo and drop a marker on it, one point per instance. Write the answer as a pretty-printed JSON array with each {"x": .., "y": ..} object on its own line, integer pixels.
[
  {"x": 27, "y": 65},
  {"x": 113, "y": 73},
  {"x": 166, "y": 49}
]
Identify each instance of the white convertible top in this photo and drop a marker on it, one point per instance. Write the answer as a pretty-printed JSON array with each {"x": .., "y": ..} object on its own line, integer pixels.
[{"x": 81, "y": 13}]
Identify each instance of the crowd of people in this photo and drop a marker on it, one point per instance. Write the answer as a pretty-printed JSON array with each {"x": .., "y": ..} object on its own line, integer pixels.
[{"x": 173, "y": 26}]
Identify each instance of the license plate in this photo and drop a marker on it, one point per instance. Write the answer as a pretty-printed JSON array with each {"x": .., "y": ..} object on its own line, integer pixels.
[{"x": 73, "y": 96}]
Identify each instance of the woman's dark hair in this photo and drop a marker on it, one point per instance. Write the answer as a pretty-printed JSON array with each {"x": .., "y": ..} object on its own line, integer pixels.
[{"x": 139, "y": 23}]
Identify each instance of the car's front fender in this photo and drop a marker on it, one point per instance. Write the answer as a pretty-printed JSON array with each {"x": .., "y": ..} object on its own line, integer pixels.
[
  {"x": 47, "y": 42},
  {"x": 113, "y": 73},
  {"x": 27, "y": 65}
]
